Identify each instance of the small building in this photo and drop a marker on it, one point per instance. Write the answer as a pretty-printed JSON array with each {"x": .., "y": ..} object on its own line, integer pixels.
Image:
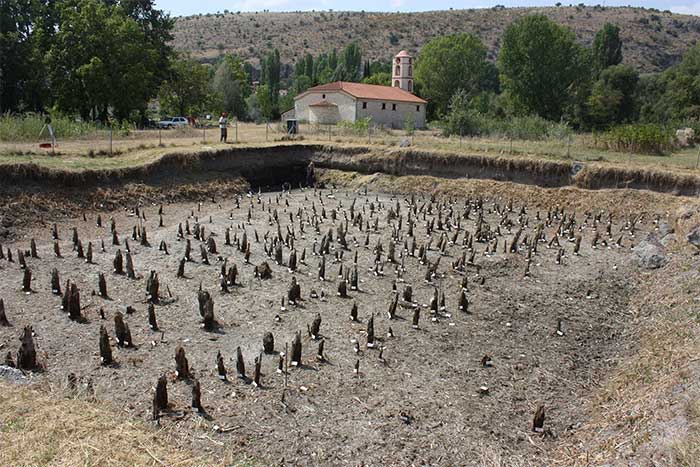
[{"x": 390, "y": 106}]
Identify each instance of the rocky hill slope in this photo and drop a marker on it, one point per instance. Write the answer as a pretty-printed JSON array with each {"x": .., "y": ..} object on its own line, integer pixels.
[{"x": 653, "y": 39}]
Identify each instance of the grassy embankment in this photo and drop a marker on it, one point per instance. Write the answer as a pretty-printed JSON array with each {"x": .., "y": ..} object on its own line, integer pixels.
[{"x": 80, "y": 154}]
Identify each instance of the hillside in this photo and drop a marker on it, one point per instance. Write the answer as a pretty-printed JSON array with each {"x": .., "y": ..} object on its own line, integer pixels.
[{"x": 653, "y": 39}]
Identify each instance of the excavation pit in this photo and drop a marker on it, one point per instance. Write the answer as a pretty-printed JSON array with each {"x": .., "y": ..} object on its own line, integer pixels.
[{"x": 550, "y": 330}]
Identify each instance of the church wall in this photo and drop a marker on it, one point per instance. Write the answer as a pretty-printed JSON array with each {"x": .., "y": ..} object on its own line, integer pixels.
[
  {"x": 345, "y": 103},
  {"x": 392, "y": 118}
]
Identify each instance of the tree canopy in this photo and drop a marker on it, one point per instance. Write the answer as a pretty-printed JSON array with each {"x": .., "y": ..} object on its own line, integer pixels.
[
  {"x": 230, "y": 86},
  {"x": 540, "y": 64},
  {"x": 607, "y": 47},
  {"x": 91, "y": 57},
  {"x": 186, "y": 91},
  {"x": 451, "y": 63}
]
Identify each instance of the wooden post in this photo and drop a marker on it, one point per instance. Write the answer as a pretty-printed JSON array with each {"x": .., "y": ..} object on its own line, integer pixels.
[
  {"x": 235, "y": 138},
  {"x": 267, "y": 127},
  {"x": 329, "y": 132},
  {"x": 697, "y": 162},
  {"x": 110, "y": 139},
  {"x": 286, "y": 363},
  {"x": 160, "y": 138},
  {"x": 204, "y": 135}
]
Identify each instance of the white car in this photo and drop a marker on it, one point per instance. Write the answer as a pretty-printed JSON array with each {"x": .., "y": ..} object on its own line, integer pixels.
[{"x": 173, "y": 122}]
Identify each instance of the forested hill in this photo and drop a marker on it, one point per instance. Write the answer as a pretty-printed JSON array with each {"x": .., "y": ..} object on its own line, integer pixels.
[{"x": 652, "y": 39}]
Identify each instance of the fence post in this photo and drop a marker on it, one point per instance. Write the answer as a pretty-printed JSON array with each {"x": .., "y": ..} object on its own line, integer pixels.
[
  {"x": 204, "y": 135},
  {"x": 697, "y": 162},
  {"x": 235, "y": 131},
  {"x": 329, "y": 132},
  {"x": 369, "y": 134},
  {"x": 110, "y": 139},
  {"x": 461, "y": 132},
  {"x": 267, "y": 127},
  {"x": 160, "y": 138}
]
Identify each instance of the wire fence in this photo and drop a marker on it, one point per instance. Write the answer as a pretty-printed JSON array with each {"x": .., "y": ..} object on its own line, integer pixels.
[
  {"x": 115, "y": 141},
  {"x": 111, "y": 142}
]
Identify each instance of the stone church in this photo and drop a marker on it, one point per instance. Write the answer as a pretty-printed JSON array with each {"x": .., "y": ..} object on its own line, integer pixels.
[{"x": 389, "y": 106}]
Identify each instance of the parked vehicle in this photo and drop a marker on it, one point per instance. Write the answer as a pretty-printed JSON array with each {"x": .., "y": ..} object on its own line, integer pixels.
[{"x": 173, "y": 122}]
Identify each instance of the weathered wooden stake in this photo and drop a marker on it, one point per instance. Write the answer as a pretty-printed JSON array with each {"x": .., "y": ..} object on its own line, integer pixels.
[
  {"x": 3, "y": 317},
  {"x": 105, "y": 348},
  {"x": 182, "y": 367},
  {"x": 197, "y": 397},
  {"x": 240, "y": 364}
]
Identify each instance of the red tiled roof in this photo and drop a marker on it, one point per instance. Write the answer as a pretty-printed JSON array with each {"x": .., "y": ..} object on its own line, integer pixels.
[
  {"x": 323, "y": 103},
  {"x": 368, "y": 91}
]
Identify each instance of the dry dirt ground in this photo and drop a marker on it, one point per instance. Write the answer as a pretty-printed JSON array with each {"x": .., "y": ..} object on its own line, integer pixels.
[{"x": 419, "y": 404}]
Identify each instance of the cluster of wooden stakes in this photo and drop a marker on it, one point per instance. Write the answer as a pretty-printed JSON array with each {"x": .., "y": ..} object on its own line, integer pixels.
[{"x": 441, "y": 220}]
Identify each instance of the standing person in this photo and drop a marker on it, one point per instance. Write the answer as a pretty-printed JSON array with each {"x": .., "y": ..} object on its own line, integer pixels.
[{"x": 223, "y": 123}]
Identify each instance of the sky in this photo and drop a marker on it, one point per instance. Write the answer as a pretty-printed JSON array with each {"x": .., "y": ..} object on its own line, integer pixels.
[{"x": 189, "y": 7}]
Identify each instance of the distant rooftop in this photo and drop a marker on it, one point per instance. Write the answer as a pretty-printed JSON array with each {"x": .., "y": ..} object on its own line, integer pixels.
[{"x": 368, "y": 91}]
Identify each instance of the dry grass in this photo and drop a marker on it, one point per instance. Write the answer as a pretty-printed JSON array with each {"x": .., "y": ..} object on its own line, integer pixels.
[
  {"x": 647, "y": 413},
  {"x": 633, "y": 202},
  {"x": 40, "y": 428},
  {"x": 142, "y": 147},
  {"x": 652, "y": 40}
]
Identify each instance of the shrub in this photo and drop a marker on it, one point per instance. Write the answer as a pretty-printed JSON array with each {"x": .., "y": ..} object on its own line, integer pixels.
[
  {"x": 409, "y": 126},
  {"x": 29, "y": 127},
  {"x": 461, "y": 119},
  {"x": 529, "y": 127},
  {"x": 358, "y": 127},
  {"x": 646, "y": 138}
]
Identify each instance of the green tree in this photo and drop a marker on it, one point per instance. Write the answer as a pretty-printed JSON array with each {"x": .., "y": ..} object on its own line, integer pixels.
[
  {"x": 186, "y": 91},
  {"x": 309, "y": 66},
  {"x": 674, "y": 94},
  {"x": 230, "y": 86},
  {"x": 612, "y": 97},
  {"x": 99, "y": 61},
  {"x": 341, "y": 73},
  {"x": 541, "y": 66},
  {"x": 300, "y": 84},
  {"x": 286, "y": 103},
  {"x": 451, "y": 63},
  {"x": 351, "y": 61},
  {"x": 265, "y": 102},
  {"x": 333, "y": 59},
  {"x": 15, "y": 47},
  {"x": 157, "y": 27},
  {"x": 382, "y": 78},
  {"x": 27, "y": 28},
  {"x": 271, "y": 67},
  {"x": 127, "y": 38},
  {"x": 460, "y": 118},
  {"x": 607, "y": 47}
]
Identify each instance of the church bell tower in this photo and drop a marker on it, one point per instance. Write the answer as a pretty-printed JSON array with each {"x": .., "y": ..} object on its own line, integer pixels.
[{"x": 402, "y": 73}]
